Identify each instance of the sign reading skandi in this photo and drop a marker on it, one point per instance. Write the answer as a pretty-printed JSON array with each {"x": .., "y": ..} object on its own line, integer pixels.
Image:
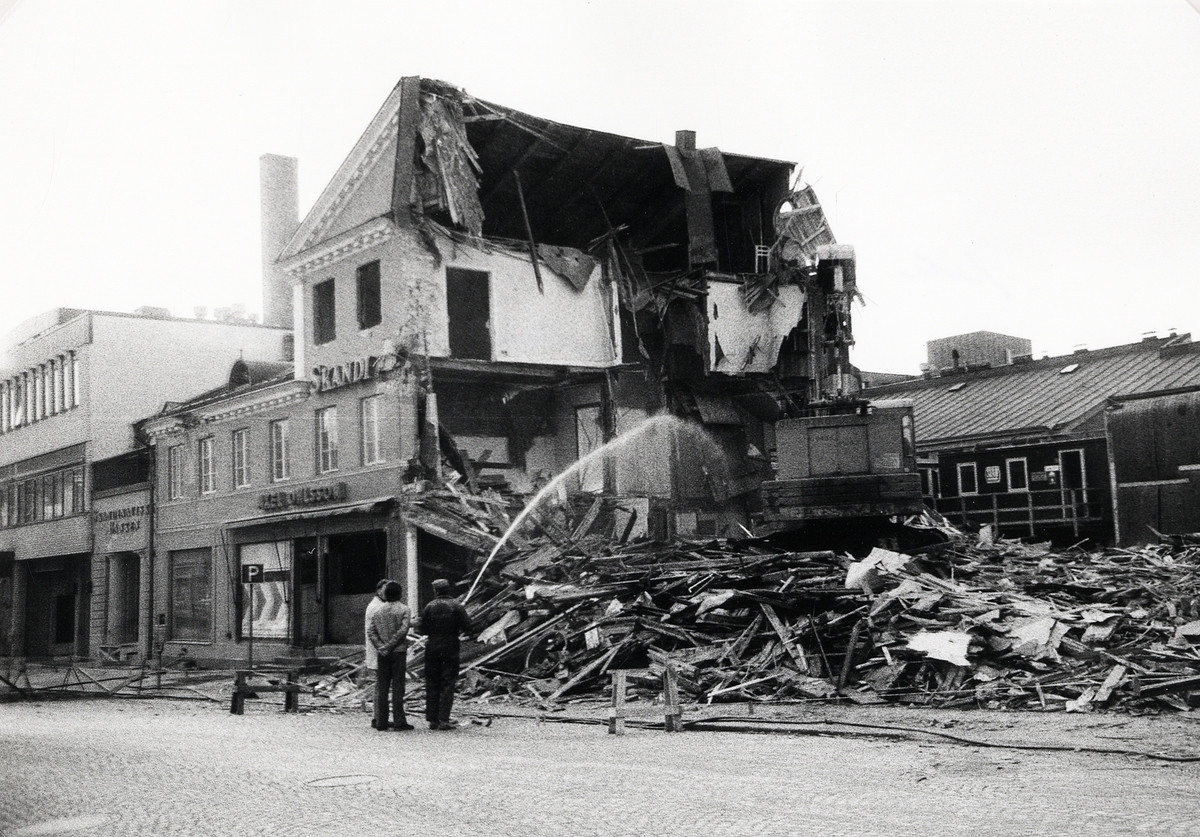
[{"x": 352, "y": 371}]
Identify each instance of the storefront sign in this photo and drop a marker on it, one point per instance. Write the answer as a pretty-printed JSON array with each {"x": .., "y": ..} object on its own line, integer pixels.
[
  {"x": 123, "y": 520},
  {"x": 352, "y": 371},
  {"x": 991, "y": 474},
  {"x": 314, "y": 496}
]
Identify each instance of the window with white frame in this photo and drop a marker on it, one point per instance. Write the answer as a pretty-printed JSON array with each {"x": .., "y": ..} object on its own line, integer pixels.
[
  {"x": 327, "y": 440},
  {"x": 929, "y": 481},
  {"x": 76, "y": 367},
  {"x": 968, "y": 478},
  {"x": 208, "y": 466},
  {"x": 174, "y": 472},
  {"x": 241, "y": 458},
  {"x": 369, "y": 430},
  {"x": 1018, "y": 474},
  {"x": 281, "y": 451}
]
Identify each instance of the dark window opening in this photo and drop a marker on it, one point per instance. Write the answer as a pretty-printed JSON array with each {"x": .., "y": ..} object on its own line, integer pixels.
[
  {"x": 1018, "y": 476},
  {"x": 324, "y": 313},
  {"x": 968, "y": 482},
  {"x": 370, "y": 309},
  {"x": 119, "y": 471},
  {"x": 468, "y": 308}
]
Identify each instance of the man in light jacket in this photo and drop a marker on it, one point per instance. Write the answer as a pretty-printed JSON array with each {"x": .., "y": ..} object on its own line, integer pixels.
[
  {"x": 370, "y": 656},
  {"x": 387, "y": 633}
]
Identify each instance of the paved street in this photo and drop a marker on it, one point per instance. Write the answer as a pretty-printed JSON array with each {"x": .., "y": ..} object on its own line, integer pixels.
[{"x": 170, "y": 767}]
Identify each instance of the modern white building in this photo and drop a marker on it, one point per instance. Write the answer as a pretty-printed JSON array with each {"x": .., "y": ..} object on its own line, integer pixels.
[{"x": 74, "y": 480}]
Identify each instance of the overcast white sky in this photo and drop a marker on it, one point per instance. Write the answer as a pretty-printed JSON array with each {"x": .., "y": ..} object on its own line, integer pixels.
[{"x": 1031, "y": 168}]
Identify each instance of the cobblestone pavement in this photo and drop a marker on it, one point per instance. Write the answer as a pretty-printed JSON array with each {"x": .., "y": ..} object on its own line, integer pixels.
[{"x": 163, "y": 767}]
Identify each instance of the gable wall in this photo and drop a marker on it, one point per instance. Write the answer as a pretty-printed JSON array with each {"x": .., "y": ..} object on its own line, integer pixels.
[{"x": 561, "y": 326}]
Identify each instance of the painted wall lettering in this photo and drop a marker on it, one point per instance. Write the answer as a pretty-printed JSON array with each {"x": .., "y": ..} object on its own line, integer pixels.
[{"x": 124, "y": 520}]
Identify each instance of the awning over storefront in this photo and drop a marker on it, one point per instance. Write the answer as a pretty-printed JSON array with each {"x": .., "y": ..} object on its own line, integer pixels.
[{"x": 374, "y": 505}]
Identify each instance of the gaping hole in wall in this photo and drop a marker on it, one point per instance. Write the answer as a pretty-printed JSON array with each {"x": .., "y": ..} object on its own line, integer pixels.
[
  {"x": 354, "y": 564},
  {"x": 438, "y": 558}
]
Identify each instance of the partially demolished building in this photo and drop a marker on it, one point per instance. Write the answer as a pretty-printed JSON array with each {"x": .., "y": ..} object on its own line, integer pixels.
[{"x": 496, "y": 294}]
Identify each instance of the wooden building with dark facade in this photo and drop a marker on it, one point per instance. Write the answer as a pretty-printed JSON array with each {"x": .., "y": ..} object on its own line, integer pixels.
[
  {"x": 1155, "y": 442},
  {"x": 1023, "y": 445}
]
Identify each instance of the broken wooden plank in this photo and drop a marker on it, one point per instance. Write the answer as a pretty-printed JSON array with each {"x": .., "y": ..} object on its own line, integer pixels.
[
  {"x": 1115, "y": 675},
  {"x": 1180, "y": 684},
  {"x": 595, "y": 666},
  {"x": 793, "y": 649}
]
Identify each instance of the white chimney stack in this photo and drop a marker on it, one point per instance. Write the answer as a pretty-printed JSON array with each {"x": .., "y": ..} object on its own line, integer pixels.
[{"x": 280, "y": 196}]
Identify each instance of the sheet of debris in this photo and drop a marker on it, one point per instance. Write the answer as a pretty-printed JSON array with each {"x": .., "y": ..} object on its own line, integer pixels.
[{"x": 973, "y": 622}]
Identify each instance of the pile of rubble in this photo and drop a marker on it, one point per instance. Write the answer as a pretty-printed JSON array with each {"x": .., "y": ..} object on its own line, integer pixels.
[{"x": 989, "y": 623}]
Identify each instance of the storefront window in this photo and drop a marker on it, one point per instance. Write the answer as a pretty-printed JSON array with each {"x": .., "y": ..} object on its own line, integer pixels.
[
  {"x": 267, "y": 604},
  {"x": 191, "y": 595}
]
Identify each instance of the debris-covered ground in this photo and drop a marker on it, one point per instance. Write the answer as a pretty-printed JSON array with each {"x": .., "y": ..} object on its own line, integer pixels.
[{"x": 973, "y": 622}]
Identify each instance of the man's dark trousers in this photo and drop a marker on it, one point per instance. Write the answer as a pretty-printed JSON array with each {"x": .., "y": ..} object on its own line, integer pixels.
[
  {"x": 392, "y": 670},
  {"x": 441, "y": 673}
]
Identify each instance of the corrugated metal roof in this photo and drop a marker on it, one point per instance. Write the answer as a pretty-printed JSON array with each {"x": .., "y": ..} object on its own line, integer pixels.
[{"x": 1040, "y": 397}]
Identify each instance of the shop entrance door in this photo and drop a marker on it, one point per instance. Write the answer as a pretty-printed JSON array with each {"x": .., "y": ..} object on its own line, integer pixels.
[
  {"x": 1074, "y": 483},
  {"x": 53, "y": 608},
  {"x": 308, "y": 611},
  {"x": 438, "y": 558},
  {"x": 62, "y": 625},
  {"x": 124, "y": 573}
]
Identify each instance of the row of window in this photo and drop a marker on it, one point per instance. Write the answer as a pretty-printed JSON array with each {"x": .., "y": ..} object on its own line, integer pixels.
[
  {"x": 44, "y": 497},
  {"x": 45, "y": 390},
  {"x": 1017, "y": 473},
  {"x": 367, "y": 294},
  {"x": 279, "y": 451},
  {"x": 1014, "y": 476}
]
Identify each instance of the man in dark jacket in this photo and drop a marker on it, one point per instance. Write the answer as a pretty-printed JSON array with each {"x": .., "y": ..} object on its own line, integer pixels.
[{"x": 442, "y": 620}]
